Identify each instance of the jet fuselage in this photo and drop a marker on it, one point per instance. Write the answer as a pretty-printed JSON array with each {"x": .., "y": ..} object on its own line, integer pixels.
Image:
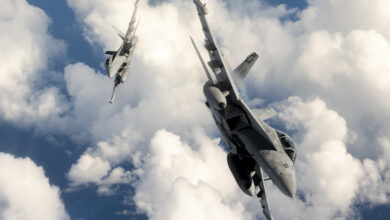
[
  {"x": 252, "y": 138},
  {"x": 118, "y": 63}
]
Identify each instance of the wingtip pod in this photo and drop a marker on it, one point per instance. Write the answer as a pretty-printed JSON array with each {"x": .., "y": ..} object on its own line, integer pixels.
[{"x": 202, "y": 6}]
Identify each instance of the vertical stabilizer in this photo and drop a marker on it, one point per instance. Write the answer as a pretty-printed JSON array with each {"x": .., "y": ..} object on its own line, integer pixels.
[
  {"x": 242, "y": 70},
  {"x": 119, "y": 32}
]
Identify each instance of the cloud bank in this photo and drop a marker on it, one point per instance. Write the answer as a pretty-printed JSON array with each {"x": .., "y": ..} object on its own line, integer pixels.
[
  {"x": 345, "y": 57},
  {"x": 25, "y": 191},
  {"x": 26, "y": 96}
]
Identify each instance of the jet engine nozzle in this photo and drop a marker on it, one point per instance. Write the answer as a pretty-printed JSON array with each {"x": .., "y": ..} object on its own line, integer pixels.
[{"x": 214, "y": 96}]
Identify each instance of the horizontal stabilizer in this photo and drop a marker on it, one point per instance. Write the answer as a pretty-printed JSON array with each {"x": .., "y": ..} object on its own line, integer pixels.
[
  {"x": 119, "y": 32},
  {"x": 264, "y": 113},
  {"x": 110, "y": 52},
  {"x": 242, "y": 70}
]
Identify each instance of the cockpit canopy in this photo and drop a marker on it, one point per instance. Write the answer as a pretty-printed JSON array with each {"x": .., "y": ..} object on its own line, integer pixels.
[{"x": 288, "y": 145}]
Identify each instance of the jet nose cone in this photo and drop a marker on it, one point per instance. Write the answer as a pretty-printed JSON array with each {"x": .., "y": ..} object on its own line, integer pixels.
[{"x": 289, "y": 185}]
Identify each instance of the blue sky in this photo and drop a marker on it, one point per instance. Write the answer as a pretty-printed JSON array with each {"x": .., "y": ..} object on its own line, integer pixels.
[{"x": 56, "y": 152}]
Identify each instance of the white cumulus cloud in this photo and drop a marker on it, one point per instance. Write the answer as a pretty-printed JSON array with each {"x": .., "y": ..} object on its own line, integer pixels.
[
  {"x": 327, "y": 175},
  {"x": 26, "y": 50},
  {"x": 180, "y": 182},
  {"x": 26, "y": 193}
]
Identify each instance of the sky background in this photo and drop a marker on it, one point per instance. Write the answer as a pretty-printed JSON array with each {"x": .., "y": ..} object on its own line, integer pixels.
[{"x": 155, "y": 153}]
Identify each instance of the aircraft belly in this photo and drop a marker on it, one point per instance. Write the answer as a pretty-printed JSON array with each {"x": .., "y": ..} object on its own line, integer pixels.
[
  {"x": 237, "y": 131},
  {"x": 252, "y": 140},
  {"x": 114, "y": 68},
  {"x": 117, "y": 65},
  {"x": 273, "y": 162},
  {"x": 225, "y": 136}
]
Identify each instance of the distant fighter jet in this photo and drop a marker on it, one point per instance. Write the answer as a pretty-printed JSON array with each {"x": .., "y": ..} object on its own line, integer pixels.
[
  {"x": 117, "y": 64},
  {"x": 255, "y": 146}
]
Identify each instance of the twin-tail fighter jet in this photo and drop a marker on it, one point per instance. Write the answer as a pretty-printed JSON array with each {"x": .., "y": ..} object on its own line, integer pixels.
[
  {"x": 118, "y": 63},
  {"x": 254, "y": 145}
]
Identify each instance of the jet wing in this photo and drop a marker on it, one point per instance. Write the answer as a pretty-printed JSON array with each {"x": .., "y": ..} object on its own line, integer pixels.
[
  {"x": 132, "y": 26},
  {"x": 264, "y": 113},
  {"x": 216, "y": 63},
  {"x": 263, "y": 196}
]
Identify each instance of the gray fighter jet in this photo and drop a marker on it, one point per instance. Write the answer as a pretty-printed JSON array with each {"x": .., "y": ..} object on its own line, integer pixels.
[
  {"x": 117, "y": 64},
  {"x": 254, "y": 145}
]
